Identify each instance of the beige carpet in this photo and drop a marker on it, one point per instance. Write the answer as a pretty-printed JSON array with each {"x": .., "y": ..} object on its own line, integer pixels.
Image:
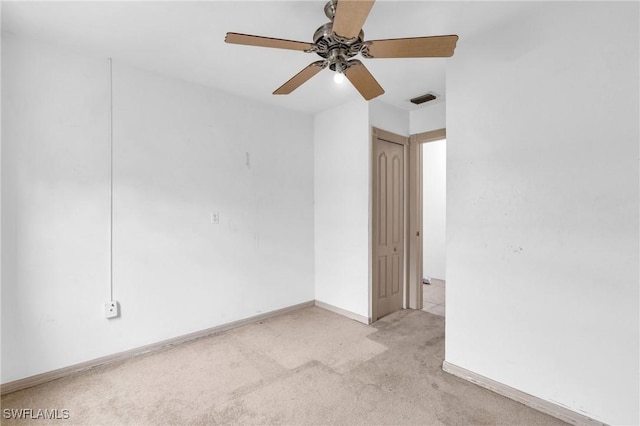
[{"x": 307, "y": 367}]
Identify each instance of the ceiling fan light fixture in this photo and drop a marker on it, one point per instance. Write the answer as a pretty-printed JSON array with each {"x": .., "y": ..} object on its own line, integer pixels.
[{"x": 337, "y": 61}]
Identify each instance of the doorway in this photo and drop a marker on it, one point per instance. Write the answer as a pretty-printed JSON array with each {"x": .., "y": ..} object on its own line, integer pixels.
[
  {"x": 403, "y": 249},
  {"x": 434, "y": 158},
  {"x": 415, "y": 227}
]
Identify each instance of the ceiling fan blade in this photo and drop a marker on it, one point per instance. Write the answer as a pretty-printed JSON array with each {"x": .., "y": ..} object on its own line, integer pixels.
[
  {"x": 300, "y": 78},
  {"x": 362, "y": 79},
  {"x": 416, "y": 47},
  {"x": 251, "y": 40},
  {"x": 350, "y": 17}
]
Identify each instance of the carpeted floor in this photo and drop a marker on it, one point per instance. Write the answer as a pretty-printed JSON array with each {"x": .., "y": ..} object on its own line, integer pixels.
[{"x": 306, "y": 367}]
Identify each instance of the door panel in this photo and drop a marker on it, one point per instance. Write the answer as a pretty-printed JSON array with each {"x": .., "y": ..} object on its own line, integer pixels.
[
  {"x": 388, "y": 217},
  {"x": 396, "y": 202},
  {"x": 396, "y": 274},
  {"x": 382, "y": 196},
  {"x": 382, "y": 272}
]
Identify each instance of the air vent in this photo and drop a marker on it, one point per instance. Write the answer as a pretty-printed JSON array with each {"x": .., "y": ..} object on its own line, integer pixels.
[{"x": 422, "y": 99}]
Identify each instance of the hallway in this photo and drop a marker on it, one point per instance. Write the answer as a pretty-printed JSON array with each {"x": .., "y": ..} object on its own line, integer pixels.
[{"x": 433, "y": 297}]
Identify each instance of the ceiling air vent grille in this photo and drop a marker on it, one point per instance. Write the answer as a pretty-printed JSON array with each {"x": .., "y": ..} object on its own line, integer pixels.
[{"x": 422, "y": 99}]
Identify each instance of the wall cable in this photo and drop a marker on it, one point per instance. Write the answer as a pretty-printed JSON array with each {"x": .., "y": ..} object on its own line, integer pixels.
[{"x": 110, "y": 179}]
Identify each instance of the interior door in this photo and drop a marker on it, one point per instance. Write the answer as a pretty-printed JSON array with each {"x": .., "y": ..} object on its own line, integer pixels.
[{"x": 388, "y": 227}]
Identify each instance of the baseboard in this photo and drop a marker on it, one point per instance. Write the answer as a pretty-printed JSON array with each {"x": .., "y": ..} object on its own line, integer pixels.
[
  {"x": 550, "y": 408},
  {"x": 343, "y": 312},
  {"x": 49, "y": 376}
]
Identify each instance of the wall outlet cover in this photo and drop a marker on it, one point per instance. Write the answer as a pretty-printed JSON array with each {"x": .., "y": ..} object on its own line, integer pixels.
[
  {"x": 215, "y": 218},
  {"x": 111, "y": 309}
]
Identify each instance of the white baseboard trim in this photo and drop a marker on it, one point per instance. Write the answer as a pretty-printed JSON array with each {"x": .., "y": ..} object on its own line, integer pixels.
[
  {"x": 49, "y": 376},
  {"x": 343, "y": 312},
  {"x": 547, "y": 407}
]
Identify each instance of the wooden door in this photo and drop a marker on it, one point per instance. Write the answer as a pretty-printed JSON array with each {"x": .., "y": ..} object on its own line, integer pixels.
[{"x": 388, "y": 227}]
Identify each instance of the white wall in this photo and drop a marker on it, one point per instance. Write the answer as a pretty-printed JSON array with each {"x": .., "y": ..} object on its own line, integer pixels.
[
  {"x": 341, "y": 188},
  {"x": 389, "y": 118},
  {"x": 429, "y": 117},
  {"x": 542, "y": 215},
  {"x": 179, "y": 154},
  {"x": 434, "y": 209}
]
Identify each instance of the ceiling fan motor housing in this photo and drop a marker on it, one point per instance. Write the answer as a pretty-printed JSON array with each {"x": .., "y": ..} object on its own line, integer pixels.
[{"x": 335, "y": 49}]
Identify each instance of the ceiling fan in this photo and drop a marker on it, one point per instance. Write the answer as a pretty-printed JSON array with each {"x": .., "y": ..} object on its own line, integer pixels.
[{"x": 338, "y": 41}]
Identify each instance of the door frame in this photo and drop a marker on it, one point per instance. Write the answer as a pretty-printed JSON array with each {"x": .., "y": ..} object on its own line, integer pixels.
[
  {"x": 386, "y": 136},
  {"x": 413, "y": 215}
]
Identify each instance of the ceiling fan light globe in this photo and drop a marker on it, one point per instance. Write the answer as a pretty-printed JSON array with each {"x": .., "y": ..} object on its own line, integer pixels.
[{"x": 338, "y": 77}]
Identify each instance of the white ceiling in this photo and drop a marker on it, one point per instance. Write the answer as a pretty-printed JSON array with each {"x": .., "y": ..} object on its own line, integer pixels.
[{"x": 185, "y": 39}]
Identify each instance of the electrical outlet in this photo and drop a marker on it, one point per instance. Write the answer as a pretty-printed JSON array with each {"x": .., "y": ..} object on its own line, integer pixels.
[
  {"x": 111, "y": 309},
  {"x": 215, "y": 218}
]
